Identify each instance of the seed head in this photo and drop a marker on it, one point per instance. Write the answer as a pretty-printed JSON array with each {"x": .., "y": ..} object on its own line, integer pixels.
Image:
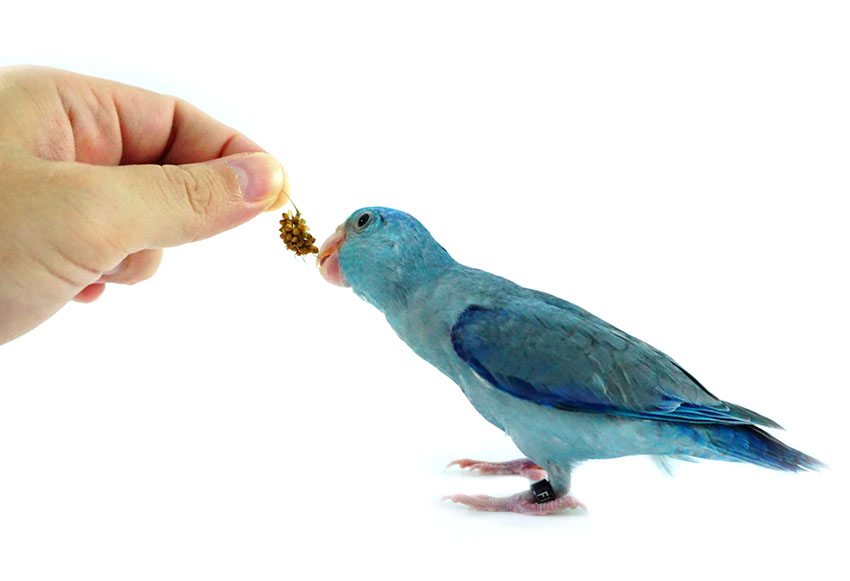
[{"x": 294, "y": 233}]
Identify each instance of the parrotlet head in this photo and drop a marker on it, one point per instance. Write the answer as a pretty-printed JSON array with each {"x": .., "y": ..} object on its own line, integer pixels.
[{"x": 382, "y": 254}]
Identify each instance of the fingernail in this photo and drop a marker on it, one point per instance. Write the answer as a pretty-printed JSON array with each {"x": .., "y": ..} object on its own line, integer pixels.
[
  {"x": 260, "y": 176},
  {"x": 284, "y": 194}
]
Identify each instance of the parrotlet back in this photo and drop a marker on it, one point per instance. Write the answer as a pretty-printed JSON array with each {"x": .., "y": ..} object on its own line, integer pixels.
[{"x": 564, "y": 385}]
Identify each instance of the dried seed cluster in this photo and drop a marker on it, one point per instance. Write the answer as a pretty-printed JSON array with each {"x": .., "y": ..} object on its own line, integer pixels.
[{"x": 293, "y": 232}]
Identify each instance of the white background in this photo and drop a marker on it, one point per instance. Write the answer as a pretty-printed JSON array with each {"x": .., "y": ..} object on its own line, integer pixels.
[{"x": 678, "y": 168}]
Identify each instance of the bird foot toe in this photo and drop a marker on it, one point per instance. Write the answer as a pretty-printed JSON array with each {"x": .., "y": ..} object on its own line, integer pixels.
[
  {"x": 519, "y": 467},
  {"x": 522, "y": 503}
]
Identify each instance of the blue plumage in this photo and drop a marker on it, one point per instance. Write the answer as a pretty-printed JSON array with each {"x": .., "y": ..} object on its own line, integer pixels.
[
  {"x": 748, "y": 443},
  {"x": 481, "y": 335},
  {"x": 565, "y": 385}
]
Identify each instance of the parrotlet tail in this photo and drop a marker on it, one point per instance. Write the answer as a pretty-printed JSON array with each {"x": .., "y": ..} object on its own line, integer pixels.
[{"x": 748, "y": 443}]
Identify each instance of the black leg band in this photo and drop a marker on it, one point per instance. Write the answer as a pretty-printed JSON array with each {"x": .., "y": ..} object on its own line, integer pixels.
[{"x": 542, "y": 491}]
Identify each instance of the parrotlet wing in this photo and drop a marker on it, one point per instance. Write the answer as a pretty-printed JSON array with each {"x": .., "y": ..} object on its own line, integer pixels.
[{"x": 563, "y": 357}]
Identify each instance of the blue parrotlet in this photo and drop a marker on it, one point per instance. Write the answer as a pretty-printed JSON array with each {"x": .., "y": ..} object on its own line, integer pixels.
[{"x": 564, "y": 385}]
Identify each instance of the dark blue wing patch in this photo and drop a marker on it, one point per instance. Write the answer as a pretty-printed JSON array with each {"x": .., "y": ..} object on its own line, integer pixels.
[{"x": 493, "y": 342}]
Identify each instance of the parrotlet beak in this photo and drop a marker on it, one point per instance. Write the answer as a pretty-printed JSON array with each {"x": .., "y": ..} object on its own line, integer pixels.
[{"x": 328, "y": 259}]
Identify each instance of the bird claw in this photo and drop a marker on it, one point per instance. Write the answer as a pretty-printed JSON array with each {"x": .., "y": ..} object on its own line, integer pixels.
[
  {"x": 519, "y": 467},
  {"x": 522, "y": 503}
]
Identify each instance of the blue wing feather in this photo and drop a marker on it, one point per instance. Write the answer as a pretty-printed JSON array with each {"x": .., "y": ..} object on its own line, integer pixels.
[{"x": 568, "y": 359}]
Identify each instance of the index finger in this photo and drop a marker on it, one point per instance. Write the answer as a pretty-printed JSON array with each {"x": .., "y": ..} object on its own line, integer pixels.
[
  {"x": 163, "y": 129},
  {"x": 71, "y": 117}
]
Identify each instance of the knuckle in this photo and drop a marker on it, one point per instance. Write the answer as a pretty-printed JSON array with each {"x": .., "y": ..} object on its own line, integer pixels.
[{"x": 192, "y": 188}]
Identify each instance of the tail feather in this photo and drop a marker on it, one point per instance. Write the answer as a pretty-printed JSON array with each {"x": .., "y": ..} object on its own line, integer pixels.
[
  {"x": 751, "y": 444},
  {"x": 751, "y": 416}
]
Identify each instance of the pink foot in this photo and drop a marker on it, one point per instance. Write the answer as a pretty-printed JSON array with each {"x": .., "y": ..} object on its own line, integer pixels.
[
  {"x": 522, "y": 502},
  {"x": 520, "y": 467}
]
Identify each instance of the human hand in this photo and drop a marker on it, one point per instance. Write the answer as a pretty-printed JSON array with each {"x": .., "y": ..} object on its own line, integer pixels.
[{"x": 97, "y": 177}]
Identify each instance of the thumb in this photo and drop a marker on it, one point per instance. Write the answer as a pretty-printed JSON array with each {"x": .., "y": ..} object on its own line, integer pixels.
[{"x": 156, "y": 206}]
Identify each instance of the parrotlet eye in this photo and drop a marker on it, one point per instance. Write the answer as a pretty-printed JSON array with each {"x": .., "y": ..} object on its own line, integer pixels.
[{"x": 362, "y": 220}]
